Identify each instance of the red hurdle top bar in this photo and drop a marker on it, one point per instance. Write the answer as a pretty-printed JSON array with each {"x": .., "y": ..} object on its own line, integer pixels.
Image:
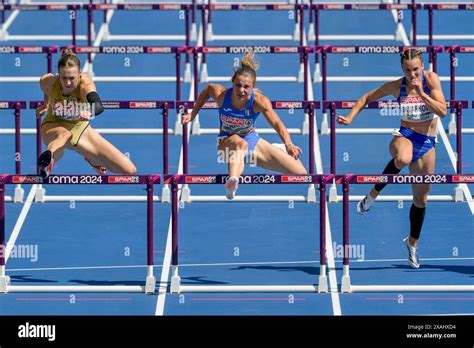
[
  {"x": 371, "y": 49},
  {"x": 80, "y": 179},
  {"x": 50, "y": 7},
  {"x": 127, "y": 49},
  {"x": 127, "y": 104},
  {"x": 407, "y": 178},
  {"x": 260, "y": 179},
  {"x": 277, "y": 104},
  {"x": 251, "y": 7},
  {"x": 380, "y": 104},
  {"x": 139, "y": 7},
  {"x": 356, "y": 7},
  {"x": 258, "y": 49},
  {"x": 449, "y": 6}
]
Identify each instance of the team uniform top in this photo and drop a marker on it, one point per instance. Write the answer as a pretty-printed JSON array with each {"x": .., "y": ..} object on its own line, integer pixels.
[
  {"x": 412, "y": 107},
  {"x": 65, "y": 108},
  {"x": 235, "y": 121}
]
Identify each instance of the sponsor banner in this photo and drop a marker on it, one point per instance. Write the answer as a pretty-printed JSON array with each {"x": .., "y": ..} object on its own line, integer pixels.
[
  {"x": 343, "y": 49},
  {"x": 142, "y": 105},
  {"x": 463, "y": 178},
  {"x": 347, "y": 104},
  {"x": 296, "y": 178},
  {"x": 466, "y": 49},
  {"x": 200, "y": 179},
  {"x": 288, "y": 105},
  {"x": 372, "y": 179},
  {"x": 118, "y": 179},
  {"x": 88, "y": 49},
  {"x": 25, "y": 179},
  {"x": 30, "y": 49},
  {"x": 214, "y": 50},
  {"x": 158, "y": 50},
  {"x": 286, "y": 50}
]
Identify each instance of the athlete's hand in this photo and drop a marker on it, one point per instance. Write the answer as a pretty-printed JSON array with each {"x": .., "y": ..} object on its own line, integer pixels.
[
  {"x": 186, "y": 118},
  {"x": 344, "y": 120},
  {"x": 294, "y": 151},
  {"x": 417, "y": 86},
  {"x": 41, "y": 110}
]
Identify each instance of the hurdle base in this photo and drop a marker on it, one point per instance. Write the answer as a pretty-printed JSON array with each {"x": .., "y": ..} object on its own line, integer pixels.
[
  {"x": 40, "y": 194},
  {"x": 333, "y": 194},
  {"x": 322, "y": 284},
  {"x": 311, "y": 198},
  {"x": 150, "y": 285},
  {"x": 4, "y": 284},
  {"x": 178, "y": 126},
  {"x": 452, "y": 125},
  {"x": 325, "y": 125},
  {"x": 311, "y": 36},
  {"x": 346, "y": 284},
  {"x": 317, "y": 78},
  {"x": 458, "y": 194},
  {"x": 209, "y": 33},
  {"x": 412, "y": 288},
  {"x": 3, "y": 35},
  {"x": 166, "y": 194},
  {"x": 398, "y": 32},
  {"x": 185, "y": 194},
  {"x": 204, "y": 73},
  {"x": 187, "y": 73},
  {"x": 196, "y": 127},
  {"x": 193, "y": 36},
  {"x": 106, "y": 32},
  {"x": 297, "y": 33},
  {"x": 19, "y": 194},
  {"x": 301, "y": 74},
  {"x": 175, "y": 287},
  {"x": 305, "y": 127},
  {"x": 249, "y": 288}
]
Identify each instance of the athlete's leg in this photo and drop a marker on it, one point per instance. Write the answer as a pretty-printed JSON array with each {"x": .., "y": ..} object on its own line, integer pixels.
[
  {"x": 56, "y": 139},
  {"x": 270, "y": 157}
]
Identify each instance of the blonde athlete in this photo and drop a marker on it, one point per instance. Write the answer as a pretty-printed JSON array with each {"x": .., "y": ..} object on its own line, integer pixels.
[
  {"x": 70, "y": 100},
  {"x": 238, "y": 140},
  {"x": 420, "y": 97}
]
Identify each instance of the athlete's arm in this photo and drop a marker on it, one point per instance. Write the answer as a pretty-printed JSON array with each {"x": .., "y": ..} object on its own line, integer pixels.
[
  {"x": 262, "y": 104},
  {"x": 389, "y": 88},
  {"x": 213, "y": 91},
  {"x": 435, "y": 101},
  {"x": 46, "y": 84},
  {"x": 89, "y": 93}
]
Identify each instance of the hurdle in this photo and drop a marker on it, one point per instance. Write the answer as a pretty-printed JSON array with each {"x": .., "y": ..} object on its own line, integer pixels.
[
  {"x": 190, "y": 34},
  {"x": 148, "y": 180},
  {"x": 17, "y": 106},
  {"x": 308, "y": 106},
  {"x": 264, "y": 179},
  {"x": 72, "y": 8},
  {"x": 451, "y": 7},
  {"x": 206, "y": 20},
  {"x": 396, "y": 9},
  {"x": 325, "y": 50},
  {"x": 347, "y": 180},
  {"x": 391, "y": 107},
  {"x": 302, "y": 76},
  {"x": 47, "y": 50},
  {"x": 164, "y": 106},
  {"x": 135, "y": 50},
  {"x": 452, "y": 50}
]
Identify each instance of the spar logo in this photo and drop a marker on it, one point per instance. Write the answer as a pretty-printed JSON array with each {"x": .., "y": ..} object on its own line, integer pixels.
[
  {"x": 343, "y": 49},
  {"x": 347, "y": 104},
  {"x": 214, "y": 49},
  {"x": 56, "y": 7},
  {"x": 4, "y": 105},
  {"x": 466, "y": 49},
  {"x": 22, "y": 179},
  {"x": 170, "y": 7},
  {"x": 88, "y": 49},
  {"x": 158, "y": 49},
  {"x": 30, "y": 49},
  {"x": 221, "y": 7},
  {"x": 447, "y": 7},
  {"x": 105, "y": 6},
  {"x": 333, "y": 7},
  {"x": 463, "y": 178},
  {"x": 286, "y": 49},
  {"x": 372, "y": 178},
  {"x": 289, "y": 105},
  {"x": 283, "y": 7},
  {"x": 142, "y": 105},
  {"x": 296, "y": 178},
  {"x": 365, "y": 7},
  {"x": 200, "y": 179},
  {"x": 117, "y": 179}
]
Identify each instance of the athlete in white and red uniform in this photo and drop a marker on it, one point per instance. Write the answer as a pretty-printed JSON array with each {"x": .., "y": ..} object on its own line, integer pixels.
[{"x": 420, "y": 99}]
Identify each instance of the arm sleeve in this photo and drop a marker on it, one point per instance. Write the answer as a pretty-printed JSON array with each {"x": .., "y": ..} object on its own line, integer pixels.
[{"x": 94, "y": 99}]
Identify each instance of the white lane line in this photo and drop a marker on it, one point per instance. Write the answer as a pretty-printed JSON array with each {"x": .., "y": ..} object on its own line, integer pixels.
[
  {"x": 19, "y": 222},
  {"x": 333, "y": 288},
  {"x": 253, "y": 263},
  {"x": 160, "y": 303}
]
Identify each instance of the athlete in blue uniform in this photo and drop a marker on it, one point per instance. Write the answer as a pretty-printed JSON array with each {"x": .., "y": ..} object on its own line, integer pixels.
[
  {"x": 420, "y": 99},
  {"x": 238, "y": 141}
]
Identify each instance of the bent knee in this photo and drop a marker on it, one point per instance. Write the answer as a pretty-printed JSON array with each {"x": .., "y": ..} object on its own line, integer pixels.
[
  {"x": 402, "y": 161},
  {"x": 130, "y": 169}
]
